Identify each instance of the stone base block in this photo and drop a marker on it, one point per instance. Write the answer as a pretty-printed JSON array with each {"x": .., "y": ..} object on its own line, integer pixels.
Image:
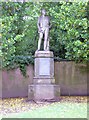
[
  {"x": 44, "y": 54},
  {"x": 43, "y": 80},
  {"x": 43, "y": 92},
  {"x": 44, "y": 64}
]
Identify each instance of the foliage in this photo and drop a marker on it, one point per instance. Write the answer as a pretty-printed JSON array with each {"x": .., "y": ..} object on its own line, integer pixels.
[{"x": 68, "y": 36}]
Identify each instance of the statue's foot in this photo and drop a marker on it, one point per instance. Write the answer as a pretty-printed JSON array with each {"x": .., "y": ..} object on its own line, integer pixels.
[
  {"x": 46, "y": 49},
  {"x": 37, "y": 50}
]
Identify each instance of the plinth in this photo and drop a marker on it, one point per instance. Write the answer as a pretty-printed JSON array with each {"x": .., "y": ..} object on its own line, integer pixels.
[{"x": 43, "y": 87}]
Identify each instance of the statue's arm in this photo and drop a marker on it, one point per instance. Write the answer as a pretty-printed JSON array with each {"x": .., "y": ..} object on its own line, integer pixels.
[
  {"x": 38, "y": 23},
  {"x": 50, "y": 25}
]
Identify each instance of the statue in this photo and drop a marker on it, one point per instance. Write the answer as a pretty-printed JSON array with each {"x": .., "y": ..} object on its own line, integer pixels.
[{"x": 43, "y": 25}]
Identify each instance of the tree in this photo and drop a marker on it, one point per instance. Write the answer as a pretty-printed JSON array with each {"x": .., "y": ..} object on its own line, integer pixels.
[{"x": 68, "y": 36}]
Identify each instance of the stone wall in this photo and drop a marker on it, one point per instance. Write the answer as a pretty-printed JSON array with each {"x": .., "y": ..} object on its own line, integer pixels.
[
  {"x": 71, "y": 77},
  {"x": 14, "y": 84}
]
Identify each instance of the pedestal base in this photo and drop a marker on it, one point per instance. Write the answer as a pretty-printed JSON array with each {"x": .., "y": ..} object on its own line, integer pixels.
[
  {"x": 43, "y": 80},
  {"x": 44, "y": 87},
  {"x": 43, "y": 92}
]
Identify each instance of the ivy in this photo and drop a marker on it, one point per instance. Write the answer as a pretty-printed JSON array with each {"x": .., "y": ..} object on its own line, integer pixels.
[{"x": 68, "y": 36}]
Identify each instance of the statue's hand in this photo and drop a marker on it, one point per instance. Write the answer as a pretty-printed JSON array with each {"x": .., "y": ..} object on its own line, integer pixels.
[
  {"x": 40, "y": 30},
  {"x": 50, "y": 26}
]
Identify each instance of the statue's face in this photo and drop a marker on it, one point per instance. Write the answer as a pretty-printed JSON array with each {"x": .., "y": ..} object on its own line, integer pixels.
[{"x": 43, "y": 12}]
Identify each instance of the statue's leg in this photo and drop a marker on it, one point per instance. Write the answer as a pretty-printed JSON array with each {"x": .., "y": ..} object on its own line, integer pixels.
[
  {"x": 40, "y": 39},
  {"x": 46, "y": 38},
  {"x": 48, "y": 44}
]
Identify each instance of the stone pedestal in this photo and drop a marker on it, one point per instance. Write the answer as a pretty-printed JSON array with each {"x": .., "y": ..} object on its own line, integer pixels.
[{"x": 43, "y": 87}]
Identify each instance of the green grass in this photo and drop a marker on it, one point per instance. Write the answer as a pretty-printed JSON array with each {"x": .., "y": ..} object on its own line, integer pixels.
[{"x": 55, "y": 110}]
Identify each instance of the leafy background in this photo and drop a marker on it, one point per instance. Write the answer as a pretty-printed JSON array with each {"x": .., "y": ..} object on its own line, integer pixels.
[{"x": 69, "y": 38}]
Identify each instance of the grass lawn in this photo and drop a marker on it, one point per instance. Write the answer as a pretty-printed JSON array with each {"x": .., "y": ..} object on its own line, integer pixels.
[{"x": 54, "y": 110}]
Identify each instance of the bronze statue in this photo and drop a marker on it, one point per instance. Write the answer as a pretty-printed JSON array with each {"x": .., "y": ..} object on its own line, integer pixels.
[{"x": 43, "y": 25}]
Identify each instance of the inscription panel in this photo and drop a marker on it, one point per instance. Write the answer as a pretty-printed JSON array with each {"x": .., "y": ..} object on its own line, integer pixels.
[{"x": 44, "y": 66}]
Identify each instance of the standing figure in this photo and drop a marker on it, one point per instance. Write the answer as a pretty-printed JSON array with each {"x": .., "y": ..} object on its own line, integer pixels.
[{"x": 43, "y": 25}]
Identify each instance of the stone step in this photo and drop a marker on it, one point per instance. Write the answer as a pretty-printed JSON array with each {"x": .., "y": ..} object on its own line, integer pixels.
[
  {"x": 43, "y": 80},
  {"x": 43, "y": 92}
]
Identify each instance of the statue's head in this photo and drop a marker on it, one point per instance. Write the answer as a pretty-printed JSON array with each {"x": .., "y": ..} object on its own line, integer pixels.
[{"x": 43, "y": 11}]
